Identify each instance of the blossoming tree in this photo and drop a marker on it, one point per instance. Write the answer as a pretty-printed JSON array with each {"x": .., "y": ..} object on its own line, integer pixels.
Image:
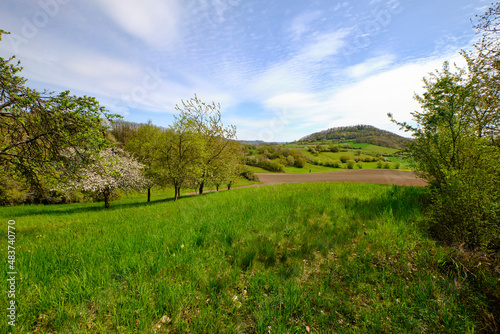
[{"x": 115, "y": 169}]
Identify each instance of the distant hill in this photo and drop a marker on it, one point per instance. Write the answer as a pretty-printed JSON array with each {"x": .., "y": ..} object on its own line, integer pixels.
[
  {"x": 252, "y": 142},
  {"x": 358, "y": 134}
]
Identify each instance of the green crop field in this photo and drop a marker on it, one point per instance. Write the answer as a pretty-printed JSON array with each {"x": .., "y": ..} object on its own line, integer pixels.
[{"x": 317, "y": 258}]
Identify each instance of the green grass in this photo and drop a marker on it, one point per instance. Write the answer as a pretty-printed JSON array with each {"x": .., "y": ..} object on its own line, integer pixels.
[
  {"x": 346, "y": 258},
  {"x": 373, "y": 148},
  {"x": 331, "y": 157},
  {"x": 309, "y": 167}
]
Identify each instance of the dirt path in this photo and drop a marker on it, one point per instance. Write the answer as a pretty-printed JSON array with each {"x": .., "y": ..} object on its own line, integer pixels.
[{"x": 378, "y": 176}]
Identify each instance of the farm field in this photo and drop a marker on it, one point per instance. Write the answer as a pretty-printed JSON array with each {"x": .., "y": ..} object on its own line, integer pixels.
[{"x": 318, "y": 257}]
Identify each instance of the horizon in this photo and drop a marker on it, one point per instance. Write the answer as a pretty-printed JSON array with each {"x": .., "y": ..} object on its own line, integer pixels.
[{"x": 280, "y": 71}]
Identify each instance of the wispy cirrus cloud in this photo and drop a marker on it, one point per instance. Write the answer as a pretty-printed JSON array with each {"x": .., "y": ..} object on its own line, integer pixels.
[
  {"x": 153, "y": 21},
  {"x": 370, "y": 66}
]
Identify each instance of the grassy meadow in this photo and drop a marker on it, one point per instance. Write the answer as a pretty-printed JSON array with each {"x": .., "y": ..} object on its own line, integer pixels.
[{"x": 301, "y": 258}]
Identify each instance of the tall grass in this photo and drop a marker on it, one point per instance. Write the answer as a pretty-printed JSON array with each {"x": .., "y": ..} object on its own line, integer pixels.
[{"x": 283, "y": 259}]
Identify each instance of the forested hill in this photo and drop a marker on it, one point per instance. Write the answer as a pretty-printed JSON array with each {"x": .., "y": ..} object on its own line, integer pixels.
[{"x": 359, "y": 134}]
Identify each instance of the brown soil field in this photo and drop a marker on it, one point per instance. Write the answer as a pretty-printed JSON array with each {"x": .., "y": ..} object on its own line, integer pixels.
[{"x": 378, "y": 176}]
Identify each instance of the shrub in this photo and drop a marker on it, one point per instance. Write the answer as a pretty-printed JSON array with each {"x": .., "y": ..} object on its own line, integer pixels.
[
  {"x": 360, "y": 165},
  {"x": 271, "y": 166},
  {"x": 249, "y": 175},
  {"x": 350, "y": 164},
  {"x": 300, "y": 161},
  {"x": 334, "y": 148},
  {"x": 387, "y": 165},
  {"x": 379, "y": 164},
  {"x": 344, "y": 159}
]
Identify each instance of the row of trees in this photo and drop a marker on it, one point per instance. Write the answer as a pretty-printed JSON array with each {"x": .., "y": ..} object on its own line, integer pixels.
[
  {"x": 195, "y": 151},
  {"x": 61, "y": 143},
  {"x": 456, "y": 142}
]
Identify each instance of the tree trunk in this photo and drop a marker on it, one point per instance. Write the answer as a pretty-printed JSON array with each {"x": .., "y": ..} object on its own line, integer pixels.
[
  {"x": 149, "y": 195},
  {"x": 217, "y": 187},
  {"x": 177, "y": 190},
  {"x": 229, "y": 186},
  {"x": 201, "y": 187},
  {"x": 106, "y": 199}
]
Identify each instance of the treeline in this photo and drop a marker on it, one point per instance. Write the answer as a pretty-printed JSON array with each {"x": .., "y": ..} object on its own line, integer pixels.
[
  {"x": 359, "y": 134},
  {"x": 60, "y": 148}
]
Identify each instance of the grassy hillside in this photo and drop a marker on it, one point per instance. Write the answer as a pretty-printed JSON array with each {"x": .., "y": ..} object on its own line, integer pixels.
[
  {"x": 358, "y": 134},
  {"x": 282, "y": 259}
]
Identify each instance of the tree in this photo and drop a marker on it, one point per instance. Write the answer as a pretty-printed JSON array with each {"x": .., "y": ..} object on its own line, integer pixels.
[
  {"x": 218, "y": 140},
  {"x": 177, "y": 154},
  {"x": 142, "y": 144},
  {"x": 451, "y": 150},
  {"x": 484, "y": 64},
  {"x": 114, "y": 169},
  {"x": 37, "y": 127}
]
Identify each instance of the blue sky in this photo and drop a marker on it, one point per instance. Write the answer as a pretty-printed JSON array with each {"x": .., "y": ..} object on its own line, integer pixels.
[{"x": 279, "y": 69}]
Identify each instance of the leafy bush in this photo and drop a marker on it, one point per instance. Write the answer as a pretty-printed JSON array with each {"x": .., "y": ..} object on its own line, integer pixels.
[
  {"x": 360, "y": 165},
  {"x": 344, "y": 159},
  {"x": 456, "y": 149},
  {"x": 334, "y": 148},
  {"x": 300, "y": 161},
  {"x": 350, "y": 164},
  {"x": 271, "y": 166},
  {"x": 249, "y": 175}
]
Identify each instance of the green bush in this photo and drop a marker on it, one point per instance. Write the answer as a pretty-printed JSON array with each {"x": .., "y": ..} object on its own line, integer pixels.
[
  {"x": 271, "y": 166},
  {"x": 350, "y": 164},
  {"x": 466, "y": 211},
  {"x": 334, "y": 148},
  {"x": 249, "y": 175},
  {"x": 344, "y": 159}
]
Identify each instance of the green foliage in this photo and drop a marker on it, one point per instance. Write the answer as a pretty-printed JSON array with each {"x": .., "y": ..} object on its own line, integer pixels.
[
  {"x": 271, "y": 166},
  {"x": 220, "y": 157},
  {"x": 38, "y": 129},
  {"x": 359, "y": 134},
  {"x": 344, "y": 159},
  {"x": 454, "y": 150},
  {"x": 350, "y": 164},
  {"x": 299, "y": 160},
  {"x": 334, "y": 148},
  {"x": 248, "y": 174}
]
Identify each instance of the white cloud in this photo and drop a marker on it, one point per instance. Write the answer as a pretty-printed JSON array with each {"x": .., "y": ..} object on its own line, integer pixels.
[
  {"x": 153, "y": 21},
  {"x": 370, "y": 66},
  {"x": 324, "y": 45},
  {"x": 365, "y": 102}
]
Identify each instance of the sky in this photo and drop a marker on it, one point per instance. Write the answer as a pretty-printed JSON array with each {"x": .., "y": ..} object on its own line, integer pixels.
[{"x": 280, "y": 69}]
